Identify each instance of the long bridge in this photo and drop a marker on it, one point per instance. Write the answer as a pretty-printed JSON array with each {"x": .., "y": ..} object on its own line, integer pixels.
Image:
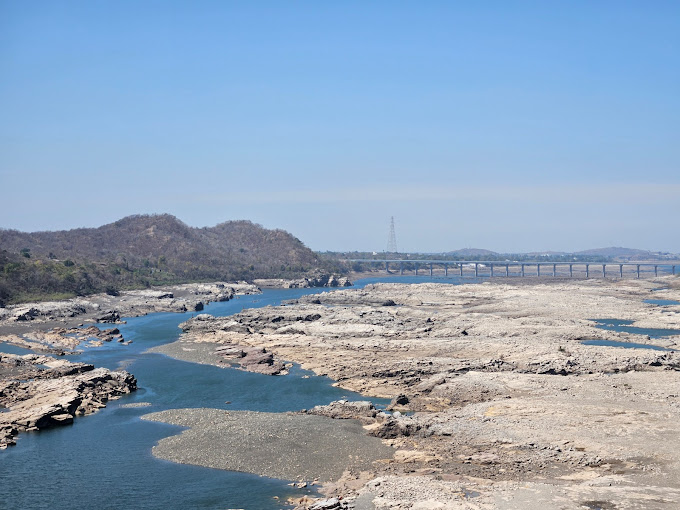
[{"x": 478, "y": 268}]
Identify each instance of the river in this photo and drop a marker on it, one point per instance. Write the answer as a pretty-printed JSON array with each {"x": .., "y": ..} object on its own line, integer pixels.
[{"x": 104, "y": 460}]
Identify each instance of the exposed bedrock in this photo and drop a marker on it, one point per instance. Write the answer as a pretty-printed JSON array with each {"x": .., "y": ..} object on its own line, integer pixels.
[
  {"x": 501, "y": 393},
  {"x": 38, "y": 392},
  {"x": 55, "y": 327},
  {"x": 314, "y": 280},
  {"x": 107, "y": 308}
]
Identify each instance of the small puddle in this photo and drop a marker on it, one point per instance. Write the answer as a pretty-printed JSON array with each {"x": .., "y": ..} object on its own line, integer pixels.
[
  {"x": 625, "y": 345},
  {"x": 624, "y": 326},
  {"x": 471, "y": 494},
  {"x": 661, "y": 302}
]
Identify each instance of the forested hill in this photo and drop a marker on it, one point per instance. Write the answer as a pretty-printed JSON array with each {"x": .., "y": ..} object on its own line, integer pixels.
[{"x": 145, "y": 250}]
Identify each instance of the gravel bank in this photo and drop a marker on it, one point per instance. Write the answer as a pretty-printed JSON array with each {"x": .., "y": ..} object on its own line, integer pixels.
[{"x": 277, "y": 445}]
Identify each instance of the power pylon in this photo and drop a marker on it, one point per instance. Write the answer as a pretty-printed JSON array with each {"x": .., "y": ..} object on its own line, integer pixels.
[{"x": 392, "y": 238}]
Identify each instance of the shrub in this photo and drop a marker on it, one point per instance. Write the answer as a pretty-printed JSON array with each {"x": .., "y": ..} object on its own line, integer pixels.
[{"x": 112, "y": 291}]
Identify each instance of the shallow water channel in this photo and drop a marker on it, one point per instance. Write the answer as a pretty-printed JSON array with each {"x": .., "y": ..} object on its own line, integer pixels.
[
  {"x": 662, "y": 302},
  {"x": 104, "y": 460},
  {"x": 624, "y": 345},
  {"x": 625, "y": 326}
]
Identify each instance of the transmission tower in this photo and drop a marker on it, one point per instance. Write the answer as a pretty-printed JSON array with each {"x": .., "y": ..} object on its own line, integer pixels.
[{"x": 392, "y": 238}]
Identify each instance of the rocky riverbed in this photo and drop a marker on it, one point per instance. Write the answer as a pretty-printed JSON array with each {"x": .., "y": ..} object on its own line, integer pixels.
[
  {"x": 251, "y": 359},
  {"x": 507, "y": 408},
  {"x": 53, "y": 327},
  {"x": 317, "y": 280},
  {"x": 38, "y": 392}
]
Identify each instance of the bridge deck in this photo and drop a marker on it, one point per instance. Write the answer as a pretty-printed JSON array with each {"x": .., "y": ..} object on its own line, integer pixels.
[{"x": 487, "y": 268}]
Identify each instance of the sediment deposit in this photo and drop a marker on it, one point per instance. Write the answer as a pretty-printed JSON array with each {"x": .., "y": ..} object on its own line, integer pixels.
[
  {"x": 278, "y": 445},
  {"x": 510, "y": 409}
]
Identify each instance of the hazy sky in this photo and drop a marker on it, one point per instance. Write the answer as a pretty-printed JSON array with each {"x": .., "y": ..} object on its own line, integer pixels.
[{"x": 512, "y": 126}]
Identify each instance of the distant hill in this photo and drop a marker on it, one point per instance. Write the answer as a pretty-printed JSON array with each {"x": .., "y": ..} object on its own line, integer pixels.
[
  {"x": 146, "y": 250},
  {"x": 622, "y": 254},
  {"x": 471, "y": 252},
  {"x": 538, "y": 254},
  {"x": 479, "y": 254}
]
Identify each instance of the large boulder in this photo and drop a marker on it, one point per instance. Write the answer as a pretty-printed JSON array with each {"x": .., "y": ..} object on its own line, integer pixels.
[{"x": 110, "y": 316}]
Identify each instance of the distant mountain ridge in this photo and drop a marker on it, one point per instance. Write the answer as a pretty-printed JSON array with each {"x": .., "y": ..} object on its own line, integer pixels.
[
  {"x": 618, "y": 253},
  {"x": 471, "y": 252},
  {"x": 613, "y": 253},
  {"x": 144, "y": 250}
]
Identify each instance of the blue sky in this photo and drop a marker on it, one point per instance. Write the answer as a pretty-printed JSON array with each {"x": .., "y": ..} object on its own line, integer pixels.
[{"x": 512, "y": 126}]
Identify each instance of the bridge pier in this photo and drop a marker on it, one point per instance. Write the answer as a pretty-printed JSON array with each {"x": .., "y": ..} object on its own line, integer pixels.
[
  {"x": 446, "y": 270},
  {"x": 476, "y": 270},
  {"x": 460, "y": 266},
  {"x": 538, "y": 269},
  {"x": 507, "y": 270},
  {"x": 554, "y": 270},
  {"x": 604, "y": 271},
  {"x": 522, "y": 270},
  {"x": 387, "y": 267},
  {"x": 571, "y": 270},
  {"x": 656, "y": 270},
  {"x": 587, "y": 270},
  {"x": 416, "y": 265},
  {"x": 401, "y": 268},
  {"x": 638, "y": 270},
  {"x": 491, "y": 269},
  {"x": 430, "y": 269},
  {"x": 621, "y": 270},
  {"x": 672, "y": 269}
]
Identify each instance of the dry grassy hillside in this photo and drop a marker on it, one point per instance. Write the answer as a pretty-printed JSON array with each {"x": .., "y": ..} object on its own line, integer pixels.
[{"x": 143, "y": 251}]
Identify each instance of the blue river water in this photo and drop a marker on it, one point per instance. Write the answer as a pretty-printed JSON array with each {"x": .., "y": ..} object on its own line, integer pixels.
[
  {"x": 104, "y": 460},
  {"x": 662, "y": 302},
  {"x": 625, "y": 345},
  {"x": 625, "y": 326}
]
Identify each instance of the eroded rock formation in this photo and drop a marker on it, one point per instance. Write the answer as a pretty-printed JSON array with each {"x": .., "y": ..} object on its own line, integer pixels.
[{"x": 38, "y": 392}]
